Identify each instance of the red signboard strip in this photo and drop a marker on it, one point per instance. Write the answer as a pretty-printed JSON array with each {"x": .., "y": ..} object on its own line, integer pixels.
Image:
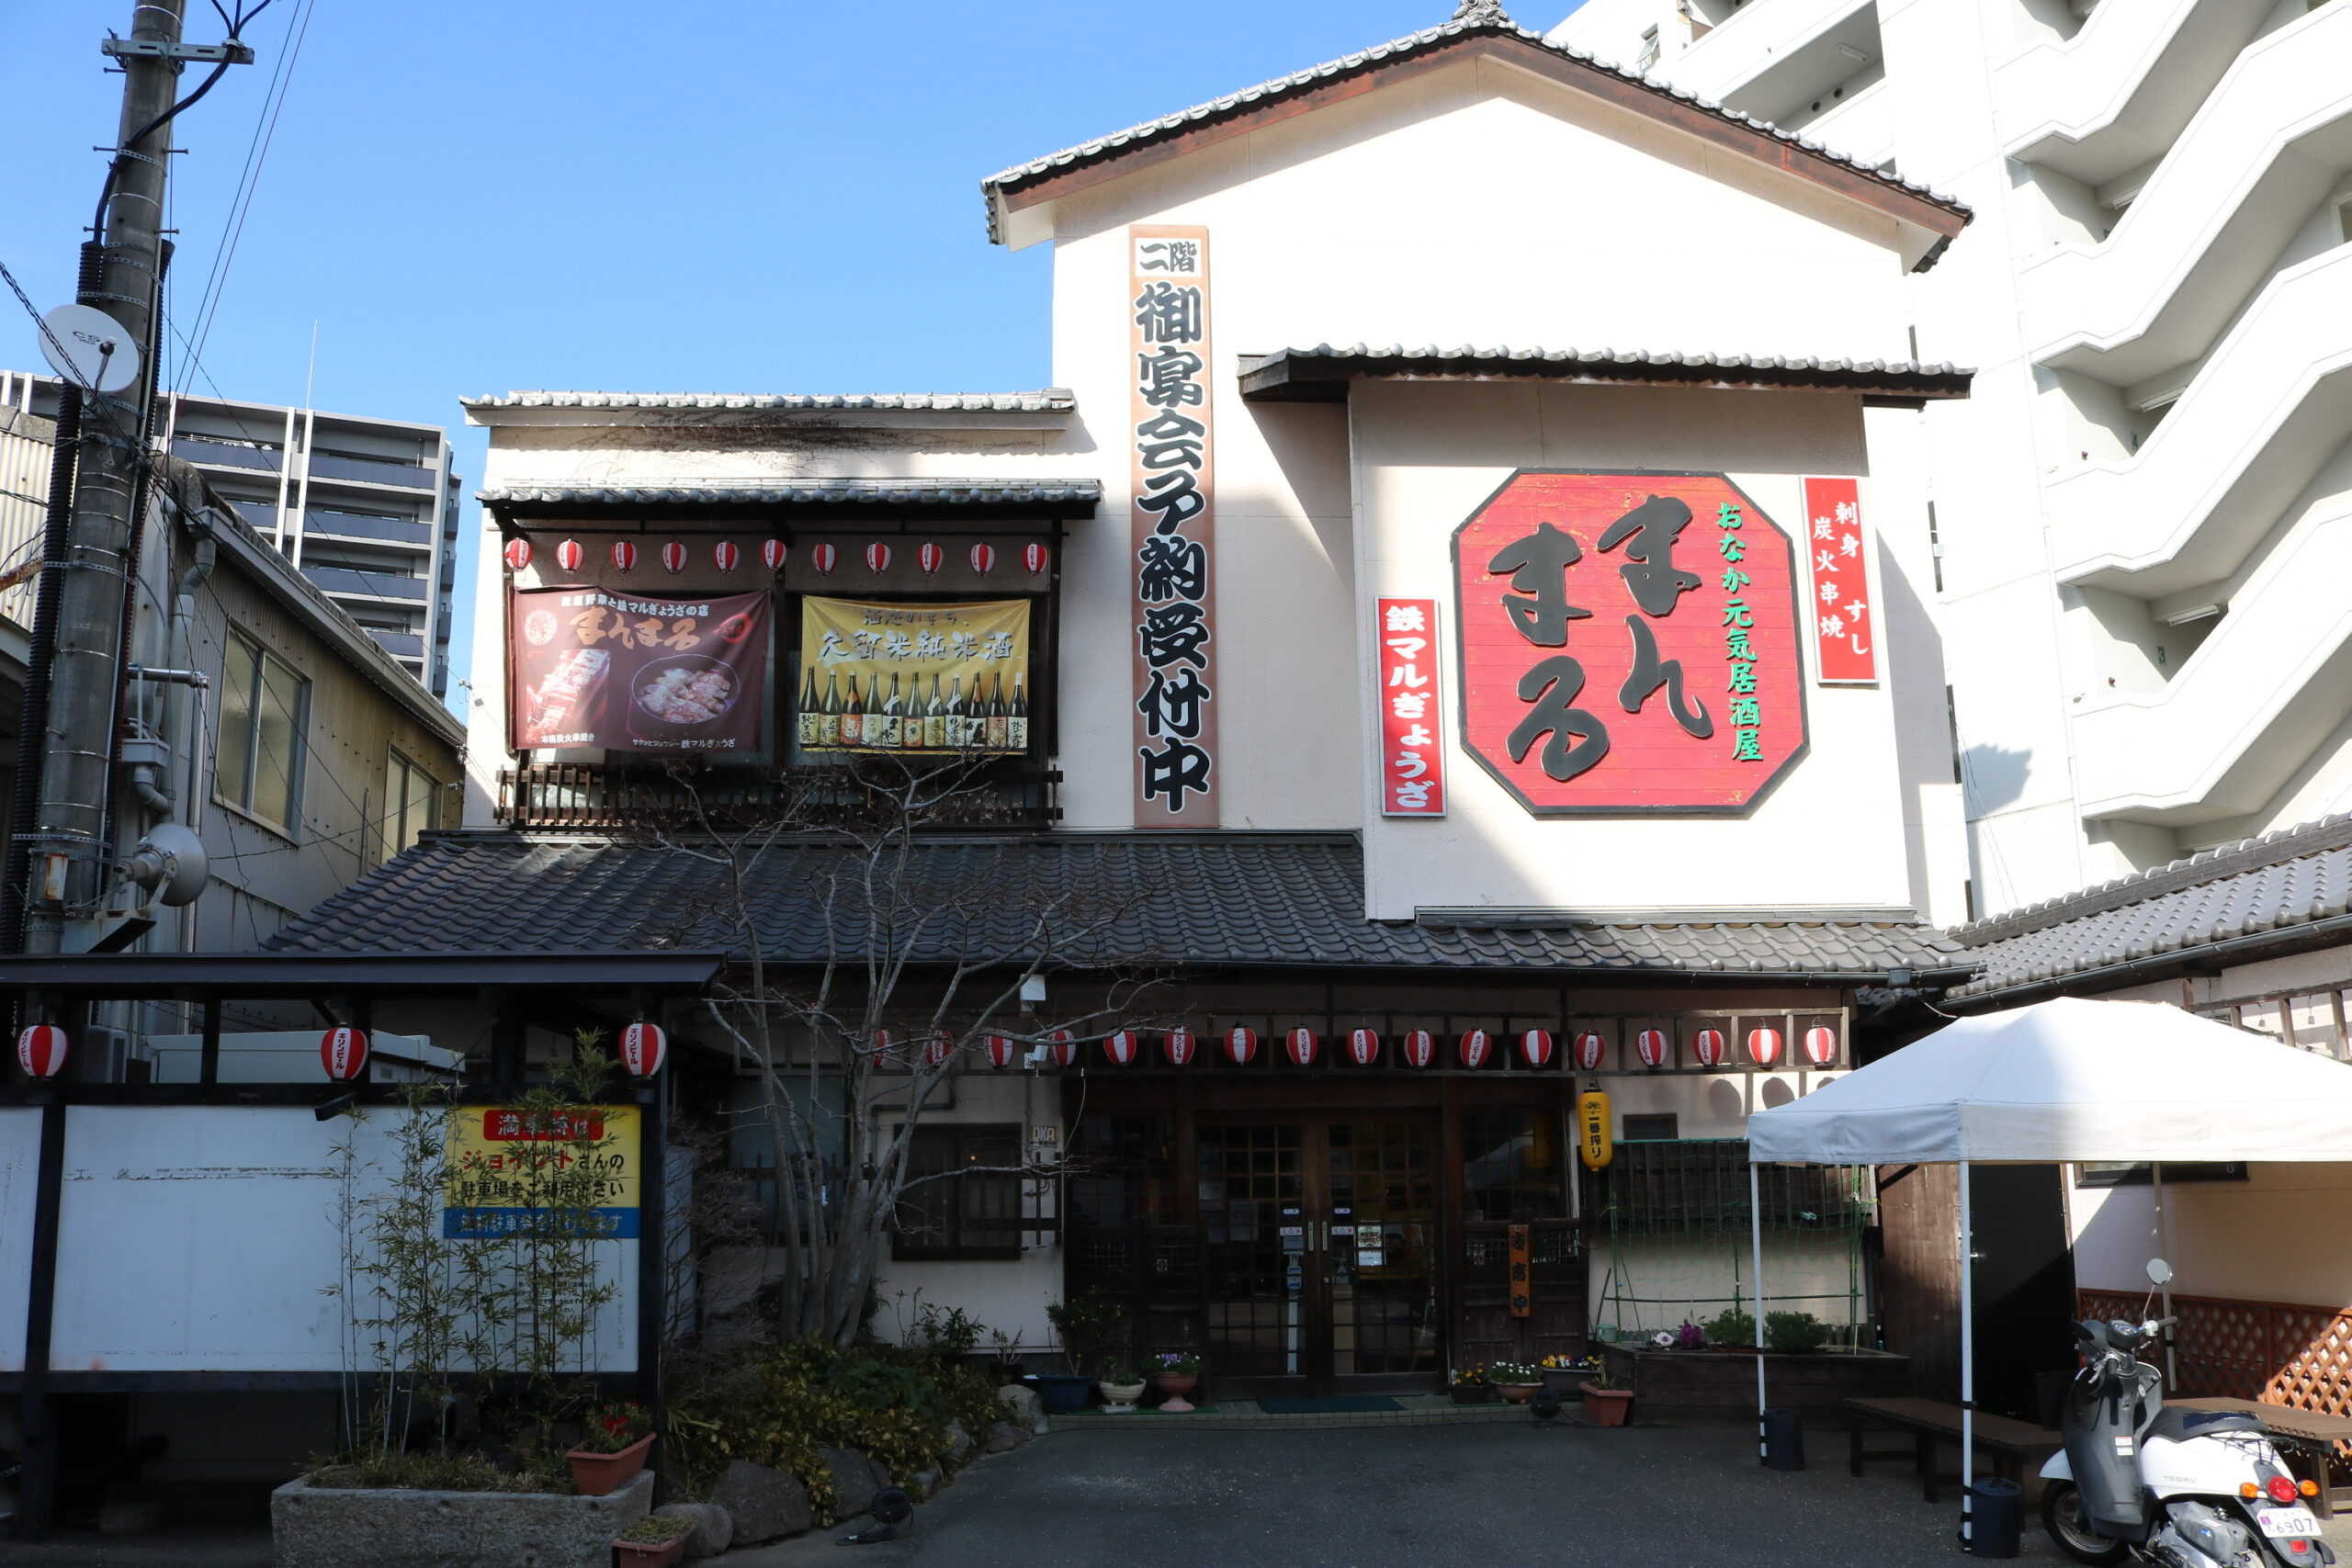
[
  {"x": 1412, "y": 746},
  {"x": 1844, "y": 609}
]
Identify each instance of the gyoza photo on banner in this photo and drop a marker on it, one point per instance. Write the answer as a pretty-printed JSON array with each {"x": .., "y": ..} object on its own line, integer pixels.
[
  {"x": 909, "y": 677},
  {"x": 590, "y": 668}
]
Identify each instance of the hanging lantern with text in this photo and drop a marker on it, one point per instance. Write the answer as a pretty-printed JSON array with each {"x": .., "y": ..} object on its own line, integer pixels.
[
  {"x": 931, "y": 557},
  {"x": 1535, "y": 1047},
  {"x": 773, "y": 553},
  {"x": 41, "y": 1050},
  {"x": 936, "y": 1050},
  {"x": 1477, "y": 1047},
  {"x": 1711, "y": 1048},
  {"x": 1419, "y": 1048},
  {"x": 644, "y": 1047},
  {"x": 1120, "y": 1045},
  {"x": 1764, "y": 1047},
  {"x": 569, "y": 554},
  {"x": 1299, "y": 1044},
  {"x": 725, "y": 555},
  {"x": 1033, "y": 558},
  {"x": 824, "y": 557},
  {"x": 1821, "y": 1046},
  {"x": 1063, "y": 1045},
  {"x": 673, "y": 557},
  {"x": 1592, "y": 1050},
  {"x": 878, "y": 557},
  {"x": 1364, "y": 1047},
  {"x": 1593, "y": 1145},
  {"x": 999, "y": 1051},
  {"x": 983, "y": 560},
  {"x": 624, "y": 556},
  {"x": 1655, "y": 1046},
  {"x": 518, "y": 554},
  {"x": 1240, "y": 1045},
  {"x": 344, "y": 1053},
  {"x": 1179, "y": 1046}
]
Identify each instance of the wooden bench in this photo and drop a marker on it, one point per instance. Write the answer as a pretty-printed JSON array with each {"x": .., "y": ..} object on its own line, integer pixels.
[
  {"x": 2309, "y": 1438},
  {"x": 2012, "y": 1444}
]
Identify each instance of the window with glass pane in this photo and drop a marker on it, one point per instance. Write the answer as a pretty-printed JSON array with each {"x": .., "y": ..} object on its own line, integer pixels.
[
  {"x": 960, "y": 1201},
  {"x": 264, "y": 709},
  {"x": 411, "y": 796},
  {"x": 1513, "y": 1160}
]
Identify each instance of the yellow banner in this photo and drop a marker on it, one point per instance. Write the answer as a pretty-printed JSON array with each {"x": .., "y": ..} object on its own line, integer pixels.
[
  {"x": 910, "y": 677},
  {"x": 503, "y": 1161}
]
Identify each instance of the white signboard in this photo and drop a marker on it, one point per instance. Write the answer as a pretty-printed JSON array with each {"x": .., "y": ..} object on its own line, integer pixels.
[{"x": 19, "y": 1167}]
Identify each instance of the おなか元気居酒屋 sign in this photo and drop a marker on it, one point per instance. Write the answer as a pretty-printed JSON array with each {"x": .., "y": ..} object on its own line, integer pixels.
[{"x": 1628, "y": 644}]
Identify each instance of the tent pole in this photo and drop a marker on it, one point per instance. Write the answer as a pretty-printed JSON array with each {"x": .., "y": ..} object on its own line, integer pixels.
[
  {"x": 1755, "y": 1224},
  {"x": 1967, "y": 1371},
  {"x": 2163, "y": 1241}
]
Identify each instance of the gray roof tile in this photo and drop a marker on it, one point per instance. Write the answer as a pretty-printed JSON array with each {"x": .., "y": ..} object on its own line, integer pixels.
[
  {"x": 2276, "y": 886},
  {"x": 907, "y": 491},
  {"x": 1254, "y": 900},
  {"x": 1286, "y": 371},
  {"x": 1051, "y": 399}
]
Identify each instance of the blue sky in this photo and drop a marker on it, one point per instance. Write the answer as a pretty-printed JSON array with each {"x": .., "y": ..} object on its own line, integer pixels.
[{"x": 470, "y": 195}]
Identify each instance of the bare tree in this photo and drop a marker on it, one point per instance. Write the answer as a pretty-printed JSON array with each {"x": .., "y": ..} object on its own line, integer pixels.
[{"x": 896, "y": 974}]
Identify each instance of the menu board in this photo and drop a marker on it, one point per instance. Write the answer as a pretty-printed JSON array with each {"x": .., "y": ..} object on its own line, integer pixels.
[
  {"x": 592, "y": 668},
  {"x": 913, "y": 677}
]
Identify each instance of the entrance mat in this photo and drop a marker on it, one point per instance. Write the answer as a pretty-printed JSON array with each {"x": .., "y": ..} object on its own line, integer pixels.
[{"x": 1345, "y": 1405}]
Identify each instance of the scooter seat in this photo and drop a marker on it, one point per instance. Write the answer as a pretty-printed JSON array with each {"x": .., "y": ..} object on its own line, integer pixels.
[{"x": 2176, "y": 1423}]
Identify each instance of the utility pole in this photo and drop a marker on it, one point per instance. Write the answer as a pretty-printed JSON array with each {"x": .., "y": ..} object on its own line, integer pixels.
[{"x": 66, "y": 850}]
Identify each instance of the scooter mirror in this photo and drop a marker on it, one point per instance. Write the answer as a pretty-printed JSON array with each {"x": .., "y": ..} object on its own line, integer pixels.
[{"x": 2159, "y": 1271}]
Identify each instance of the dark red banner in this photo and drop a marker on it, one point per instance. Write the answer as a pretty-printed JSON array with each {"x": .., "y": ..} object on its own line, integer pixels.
[
  {"x": 1628, "y": 644},
  {"x": 592, "y": 668}
]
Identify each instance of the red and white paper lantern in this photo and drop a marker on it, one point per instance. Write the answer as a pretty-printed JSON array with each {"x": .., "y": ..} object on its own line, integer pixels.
[
  {"x": 877, "y": 557},
  {"x": 936, "y": 1050},
  {"x": 1710, "y": 1048},
  {"x": 1592, "y": 1050},
  {"x": 1033, "y": 558},
  {"x": 1121, "y": 1045},
  {"x": 1063, "y": 1045},
  {"x": 1179, "y": 1045},
  {"x": 1477, "y": 1047},
  {"x": 773, "y": 553},
  {"x": 931, "y": 557},
  {"x": 624, "y": 556},
  {"x": 643, "y": 1049},
  {"x": 824, "y": 557},
  {"x": 1821, "y": 1046},
  {"x": 726, "y": 555},
  {"x": 344, "y": 1053},
  {"x": 1300, "y": 1047},
  {"x": 1364, "y": 1047},
  {"x": 1420, "y": 1047},
  {"x": 1240, "y": 1045},
  {"x": 41, "y": 1050},
  {"x": 569, "y": 554},
  {"x": 1655, "y": 1046},
  {"x": 885, "y": 1042},
  {"x": 1764, "y": 1047},
  {"x": 1535, "y": 1047},
  {"x": 673, "y": 557},
  {"x": 983, "y": 559},
  {"x": 999, "y": 1051},
  {"x": 518, "y": 554}
]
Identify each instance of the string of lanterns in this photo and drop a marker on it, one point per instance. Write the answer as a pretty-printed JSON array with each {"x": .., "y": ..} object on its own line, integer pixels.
[
  {"x": 726, "y": 555},
  {"x": 43, "y": 1050},
  {"x": 1302, "y": 1047}
]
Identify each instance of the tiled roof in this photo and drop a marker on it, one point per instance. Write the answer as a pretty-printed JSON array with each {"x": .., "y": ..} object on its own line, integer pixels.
[
  {"x": 2291, "y": 888},
  {"x": 1305, "y": 373},
  {"x": 1254, "y": 900},
  {"x": 912, "y": 493},
  {"x": 1052, "y": 400},
  {"x": 1490, "y": 23}
]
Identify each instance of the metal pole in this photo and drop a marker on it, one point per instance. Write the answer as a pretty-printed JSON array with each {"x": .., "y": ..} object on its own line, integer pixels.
[
  {"x": 1967, "y": 1370},
  {"x": 39, "y": 1504},
  {"x": 68, "y": 851},
  {"x": 2163, "y": 1241},
  {"x": 1756, "y": 1222}
]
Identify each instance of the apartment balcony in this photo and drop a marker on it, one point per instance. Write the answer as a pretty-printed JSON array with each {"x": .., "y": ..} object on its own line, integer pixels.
[
  {"x": 650, "y": 797},
  {"x": 2265, "y": 413},
  {"x": 400, "y": 476},
  {"x": 2114, "y": 97},
  {"x": 1770, "y": 58},
  {"x": 2269, "y": 142},
  {"x": 341, "y": 581}
]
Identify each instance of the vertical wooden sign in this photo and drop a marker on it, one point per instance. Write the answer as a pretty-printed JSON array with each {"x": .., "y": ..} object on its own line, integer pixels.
[
  {"x": 1173, "y": 532},
  {"x": 1522, "y": 1301}
]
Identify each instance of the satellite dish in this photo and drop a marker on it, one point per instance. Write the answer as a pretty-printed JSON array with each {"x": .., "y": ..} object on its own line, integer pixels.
[
  {"x": 97, "y": 355},
  {"x": 170, "y": 863}
]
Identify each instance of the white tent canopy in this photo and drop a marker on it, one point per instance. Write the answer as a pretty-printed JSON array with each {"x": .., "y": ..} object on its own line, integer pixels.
[
  {"x": 2070, "y": 1081},
  {"x": 2058, "y": 1082}
]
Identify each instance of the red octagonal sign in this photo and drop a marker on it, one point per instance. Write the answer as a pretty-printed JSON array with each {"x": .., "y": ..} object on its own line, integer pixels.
[{"x": 1628, "y": 644}]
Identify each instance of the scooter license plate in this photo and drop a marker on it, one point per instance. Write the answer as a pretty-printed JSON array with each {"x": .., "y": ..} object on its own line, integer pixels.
[{"x": 2282, "y": 1524}]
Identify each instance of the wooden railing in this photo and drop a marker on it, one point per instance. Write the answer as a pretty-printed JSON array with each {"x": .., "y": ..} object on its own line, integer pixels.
[{"x": 614, "y": 795}]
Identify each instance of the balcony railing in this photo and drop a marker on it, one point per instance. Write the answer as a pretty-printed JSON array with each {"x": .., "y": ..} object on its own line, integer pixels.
[{"x": 625, "y": 795}]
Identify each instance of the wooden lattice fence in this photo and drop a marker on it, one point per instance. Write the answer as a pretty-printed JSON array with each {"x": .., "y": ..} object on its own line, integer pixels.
[{"x": 2275, "y": 1351}]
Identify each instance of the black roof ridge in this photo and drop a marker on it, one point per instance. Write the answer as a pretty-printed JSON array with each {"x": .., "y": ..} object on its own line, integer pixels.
[{"x": 2201, "y": 869}]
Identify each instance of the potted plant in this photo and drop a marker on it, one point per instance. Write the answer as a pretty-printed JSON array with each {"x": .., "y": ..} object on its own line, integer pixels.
[
  {"x": 1563, "y": 1373},
  {"x": 1086, "y": 1325},
  {"x": 656, "y": 1541},
  {"x": 1471, "y": 1387},
  {"x": 1607, "y": 1403},
  {"x": 1176, "y": 1373},
  {"x": 612, "y": 1449},
  {"x": 1793, "y": 1333},
  {"x": 1121, "y": 1388},
  {"x": 1730, "y": 1328},
  {"x": 1516, "y": 1381}
]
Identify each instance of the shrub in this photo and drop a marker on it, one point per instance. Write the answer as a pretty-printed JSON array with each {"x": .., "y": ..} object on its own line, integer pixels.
[
  {"x": 1732, "y": 1327},
  {"x": 1793, "y": 1333}
]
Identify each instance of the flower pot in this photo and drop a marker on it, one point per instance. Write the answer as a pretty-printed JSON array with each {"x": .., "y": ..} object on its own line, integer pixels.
[
  {"x": 1607, "y": 1407},
  {"x": 1176, "y": 1385},
  {"x": 1119, "y": 1398},
  {"x": 636, "y": 1554},
  {"x": 1474, "y": 1394},
  {"x": 1564, "y": 1380},
  {"x": 1517, "y": 1393},
  {"x": 1062, "y": 1393},
  {"x": 597, "y": 1475}
]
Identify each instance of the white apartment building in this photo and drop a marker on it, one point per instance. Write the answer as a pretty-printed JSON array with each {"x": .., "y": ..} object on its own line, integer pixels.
[{"x": 2141, "y": 520}]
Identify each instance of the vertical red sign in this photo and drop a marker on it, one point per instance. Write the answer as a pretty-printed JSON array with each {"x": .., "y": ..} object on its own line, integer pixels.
[
  {"x": 1844, "y": 607},
  {"x": 1412, "y": 747},
  {"x": 1173, "y": 533}
]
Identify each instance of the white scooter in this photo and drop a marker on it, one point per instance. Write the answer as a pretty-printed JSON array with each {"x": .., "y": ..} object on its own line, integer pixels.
[{"x": 2172, "y": 1487}]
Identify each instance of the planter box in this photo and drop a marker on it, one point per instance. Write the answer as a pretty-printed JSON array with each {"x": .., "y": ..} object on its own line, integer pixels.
[
  {"x": 333, "y": 1527},
  {"x": 1694, "y": 1388}
]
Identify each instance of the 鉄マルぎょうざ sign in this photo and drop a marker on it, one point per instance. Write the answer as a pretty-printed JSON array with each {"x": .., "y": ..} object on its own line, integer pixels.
[
  {"x": 913, "y": 677},
  {"x": 513, "y": 1170},
  {"x": 1628, "y": 644},
  {"x": 592, "y": 668}
]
